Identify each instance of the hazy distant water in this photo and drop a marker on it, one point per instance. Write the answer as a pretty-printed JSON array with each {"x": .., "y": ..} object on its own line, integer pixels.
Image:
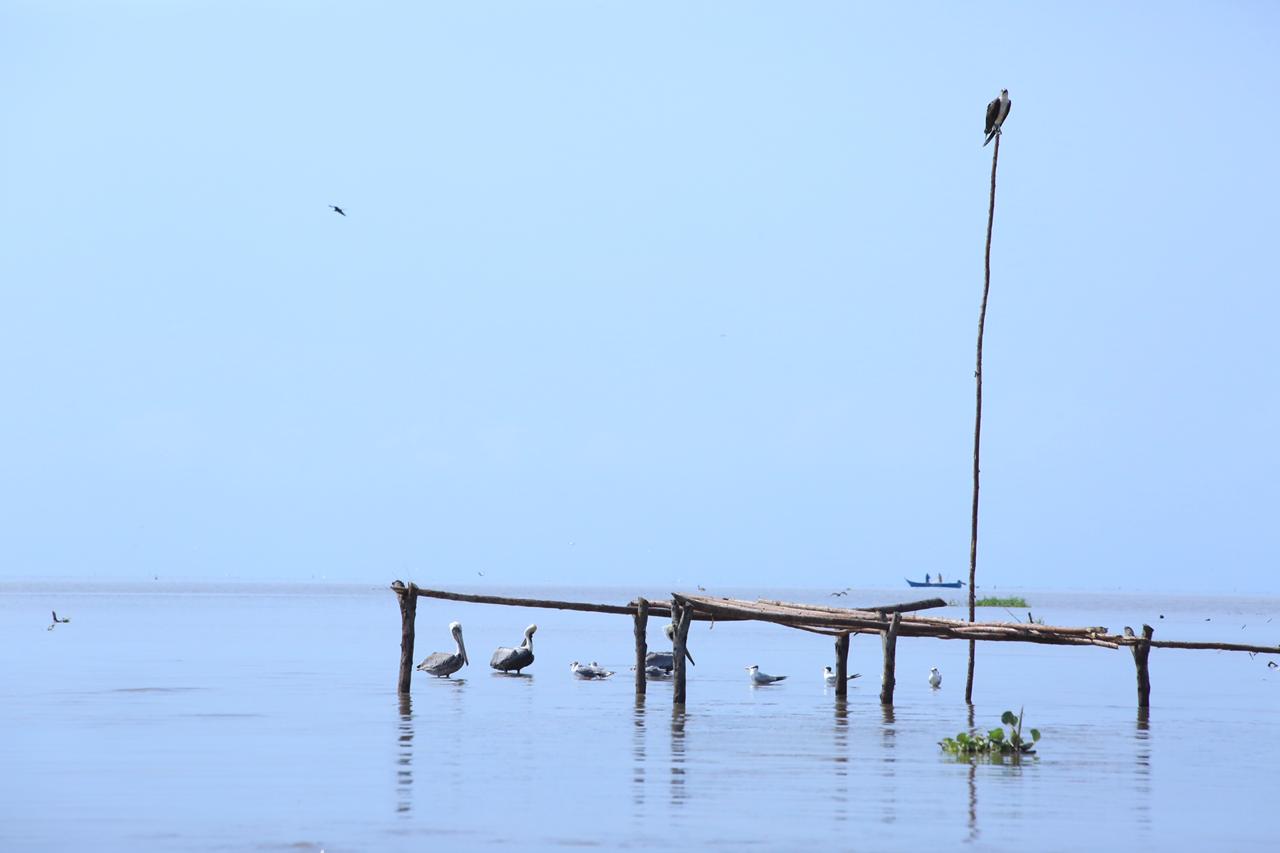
[{"x": 265, "y": 718}]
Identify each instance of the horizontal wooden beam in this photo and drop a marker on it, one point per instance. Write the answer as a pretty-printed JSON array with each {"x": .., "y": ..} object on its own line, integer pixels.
[
  {"x": 656, "y": 608},
  {"x": 822, "y": 619},
  {"x": 906, "y": 607}
]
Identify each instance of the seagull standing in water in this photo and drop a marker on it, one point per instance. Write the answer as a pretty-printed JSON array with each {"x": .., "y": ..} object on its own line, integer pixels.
[
  {"x": 935, "y": 678},
  {"x": 829, "y": 676},
  {"x": 591, "y": 673},
  {"x": 443, "y": 664},
  {"x": 506, "y": 660},
  {"x": 758, "y": 677}
]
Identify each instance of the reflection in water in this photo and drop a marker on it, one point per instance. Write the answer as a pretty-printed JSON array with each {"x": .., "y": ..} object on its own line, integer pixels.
[
  {"x": 841, "y": 795},
  {"x": 404, "y": 773},
  {"x": 1142, "y": 735},
  {"x": 888, "y": 735},
  {"x": 678, "y": 792},
  {"x": 973, "y": 789},
  {"x": 637, "y": 752}
]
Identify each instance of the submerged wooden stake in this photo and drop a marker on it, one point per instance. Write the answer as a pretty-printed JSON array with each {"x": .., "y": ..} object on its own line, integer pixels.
[
  {"x": 842, "y": 665},
  {"x": 890, "y": 638},
  {"x": 408, "y": 613},
  {"x": 1141, "y": 651},
  {"x": 642, "y": 644},
  {"x": 681, "y": 615}
]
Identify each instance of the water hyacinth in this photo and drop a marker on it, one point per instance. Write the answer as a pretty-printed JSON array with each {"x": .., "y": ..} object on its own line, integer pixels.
[{"x": 995, "y": 742}]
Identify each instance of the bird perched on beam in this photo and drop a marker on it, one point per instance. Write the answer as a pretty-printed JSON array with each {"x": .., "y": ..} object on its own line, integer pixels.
[{"x": 997, "y": 112}]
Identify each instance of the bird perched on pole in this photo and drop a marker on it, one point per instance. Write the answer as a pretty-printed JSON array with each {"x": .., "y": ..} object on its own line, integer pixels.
[{"x": 997, "y": 112}]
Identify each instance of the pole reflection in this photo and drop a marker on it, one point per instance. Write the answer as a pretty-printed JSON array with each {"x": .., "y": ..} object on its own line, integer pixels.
[
  {"x": 1142, "y": 737},
  {"x": 678, "y": 791},
  {"x": 973, "y": 789},
  {"x": 841, "y": 729},
  {"x": 404, "y": 760},
  {"x": 637, "y": 752},
  {"x": 888, "y": 736}
]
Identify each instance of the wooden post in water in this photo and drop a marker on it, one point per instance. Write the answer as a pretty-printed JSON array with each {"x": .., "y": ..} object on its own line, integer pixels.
[
  {"x": 842, "y": 665},
  {"x": 890, "y": 638},
  {"x": 1141, "y": 651},
  {"x": 681, "y": 615},
  {"x": 408, "y": 613},
  {"x": 642, "y": 644}
]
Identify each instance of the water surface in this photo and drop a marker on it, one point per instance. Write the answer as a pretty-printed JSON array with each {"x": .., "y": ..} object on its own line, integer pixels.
[{"x": 212, "y": 718}]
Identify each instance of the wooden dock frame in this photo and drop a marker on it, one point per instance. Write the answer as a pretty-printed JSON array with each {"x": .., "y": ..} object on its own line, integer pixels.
[{"x": 887, "y": 620}]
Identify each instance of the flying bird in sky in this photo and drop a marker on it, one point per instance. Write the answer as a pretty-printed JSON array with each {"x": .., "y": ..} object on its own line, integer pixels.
[
  {"x": 997, "y": 112},
  {"x": 337, "y": 209}
]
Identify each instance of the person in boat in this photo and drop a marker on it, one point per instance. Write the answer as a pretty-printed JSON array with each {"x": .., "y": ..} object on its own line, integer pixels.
[{"x": 926, "y": 578}]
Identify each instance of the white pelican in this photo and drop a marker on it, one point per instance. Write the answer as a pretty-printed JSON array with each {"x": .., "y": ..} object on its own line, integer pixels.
[
  {"x": 829, "y": 676},
  {"x": 758, "y": 677},
  {"x": 935, "y": 678},
  {"x": 506, "y": 660},
  {"x": 443, "y": 664}
]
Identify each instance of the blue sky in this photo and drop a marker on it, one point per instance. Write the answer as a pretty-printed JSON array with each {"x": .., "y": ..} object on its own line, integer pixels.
[{"x": 662, "y": 292}]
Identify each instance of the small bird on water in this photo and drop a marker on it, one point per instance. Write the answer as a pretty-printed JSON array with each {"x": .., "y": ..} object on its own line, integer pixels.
[
  {"x": 935, "y": 678},
  {"x": 56, "y": 620},
  {"x": 337, "y": 209},
  {"x": 829, "y": 676},
  {"x": 591, "y": 673},
  {"x": 758, "y": 677}
]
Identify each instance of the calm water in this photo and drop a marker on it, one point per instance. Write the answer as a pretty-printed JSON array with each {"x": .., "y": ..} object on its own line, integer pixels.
[{"x": 265, "y": 718}]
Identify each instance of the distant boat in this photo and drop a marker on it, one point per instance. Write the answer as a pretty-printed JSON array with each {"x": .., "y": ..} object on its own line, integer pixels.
[{"x": 951, "y": 585}]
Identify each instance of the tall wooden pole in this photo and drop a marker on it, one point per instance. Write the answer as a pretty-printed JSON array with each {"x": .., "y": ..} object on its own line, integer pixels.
[
  {"x": 642, "y": 644},
  {"x": 1141, "y": 651},
  {"x": 887, "y": 679},
  {"x": 842, "y": 665},
  {"x": 680, "y": 615},
  {"x": 408, "y": 613},
  {"x": 977, "y": 423}
]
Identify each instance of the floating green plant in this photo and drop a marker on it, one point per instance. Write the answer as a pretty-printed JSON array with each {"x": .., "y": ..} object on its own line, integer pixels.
[
  {"x": 992, "y": 601},
  {"x": 995, "y": 742}
]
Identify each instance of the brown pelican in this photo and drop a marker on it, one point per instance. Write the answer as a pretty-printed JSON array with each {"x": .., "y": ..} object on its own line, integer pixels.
[
  {"x": 829, "y": 676},
  {"x": 665, "y": 660},
  {"x": 935, "y": 678},
  {"x": 506, "y": 660},
  {"x": 758, "y": 677},
  {"x": 337, "y": 209},
  {"x": 443, "y": 664},
  {"x": 595, "y": 671}
]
